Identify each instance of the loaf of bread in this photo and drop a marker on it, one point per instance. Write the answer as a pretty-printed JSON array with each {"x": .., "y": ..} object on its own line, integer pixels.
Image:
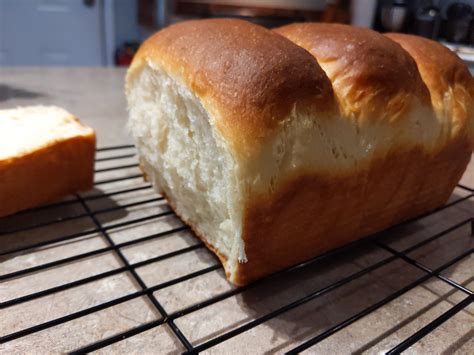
[
  {"x": 277, "y": 149},
  {"x": 45, "y": 154}
]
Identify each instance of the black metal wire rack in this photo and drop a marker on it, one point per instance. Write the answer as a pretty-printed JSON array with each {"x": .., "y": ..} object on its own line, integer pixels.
[{"x": 35, "y": 220}]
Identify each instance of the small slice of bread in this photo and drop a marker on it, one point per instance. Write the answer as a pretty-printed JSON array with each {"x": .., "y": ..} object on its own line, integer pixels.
[{"x": 45, "y": 153}]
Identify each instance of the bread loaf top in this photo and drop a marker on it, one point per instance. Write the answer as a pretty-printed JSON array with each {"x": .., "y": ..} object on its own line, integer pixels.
[
  {"x": 448, "y": 79},
  {"x": 416, "y": 90},
  {"x": 249, "y": 78},
  {"x": 252, "y": 82},
  {"x": 373, "y": 77}
]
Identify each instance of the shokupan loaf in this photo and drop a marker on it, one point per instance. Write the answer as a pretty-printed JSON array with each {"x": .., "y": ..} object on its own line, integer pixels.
[
  {"x": 272, "y": 158},
  {"x": 45, "y": 154}
]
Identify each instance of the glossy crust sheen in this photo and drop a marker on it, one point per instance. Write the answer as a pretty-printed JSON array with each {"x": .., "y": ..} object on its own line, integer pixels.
[
  {"x": 372, "y": 76},
  {"x": 246, "y": 76},
  {"x": 46, "y": 174},
  {"x": 447, "y": 77}
]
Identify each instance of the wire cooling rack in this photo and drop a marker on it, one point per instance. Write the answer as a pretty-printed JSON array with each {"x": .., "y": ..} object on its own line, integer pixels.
[{"x": 114, "y": 270}]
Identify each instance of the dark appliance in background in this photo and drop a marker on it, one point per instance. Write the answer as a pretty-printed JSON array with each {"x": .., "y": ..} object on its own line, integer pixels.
[
  {"x": 451, "y": 21},
  {"x": 471, "y": 33},
  {"x": 459, "y": 18},
  {"x": 428, "y": 20}
]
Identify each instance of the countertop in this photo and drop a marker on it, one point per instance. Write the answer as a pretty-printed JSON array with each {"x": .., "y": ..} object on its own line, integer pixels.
[{"x": 96, "y": 96}]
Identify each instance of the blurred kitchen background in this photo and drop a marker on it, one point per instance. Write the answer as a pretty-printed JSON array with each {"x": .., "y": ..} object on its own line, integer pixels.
[{"x": 108, "y": 32}]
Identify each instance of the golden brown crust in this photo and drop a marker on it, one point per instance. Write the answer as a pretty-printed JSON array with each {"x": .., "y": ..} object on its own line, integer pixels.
[
  {"x": 306, "y": 217},
  {"x": 446, "y": 77},
  {"x": 313, "y": 214},
  {"x": 247, "y": 77},
  {"x": 46, "y": 174},
  {"x": 442, "y": 171},
  {"x": 372, "y": 76}
]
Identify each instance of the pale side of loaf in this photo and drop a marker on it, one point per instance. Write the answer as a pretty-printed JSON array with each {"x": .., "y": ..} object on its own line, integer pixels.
[
  {"x": 273, "y": 158},
  {"x": 45, "y": 154}
]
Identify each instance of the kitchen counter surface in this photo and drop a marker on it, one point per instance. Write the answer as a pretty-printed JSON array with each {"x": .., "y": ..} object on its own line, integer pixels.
[{"x": 96, "y": 96}]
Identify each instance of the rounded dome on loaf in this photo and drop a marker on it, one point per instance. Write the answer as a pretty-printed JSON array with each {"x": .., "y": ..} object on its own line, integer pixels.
[
  {"x": 448, "y": 79},
  {"x": 373, "y": 77}
]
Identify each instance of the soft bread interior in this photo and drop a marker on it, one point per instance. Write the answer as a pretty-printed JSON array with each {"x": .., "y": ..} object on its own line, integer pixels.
[{"x": 186, "y": 160}]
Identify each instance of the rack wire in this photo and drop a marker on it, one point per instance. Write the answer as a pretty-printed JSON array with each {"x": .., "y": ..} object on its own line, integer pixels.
[{"x": 129, "y": 172}]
